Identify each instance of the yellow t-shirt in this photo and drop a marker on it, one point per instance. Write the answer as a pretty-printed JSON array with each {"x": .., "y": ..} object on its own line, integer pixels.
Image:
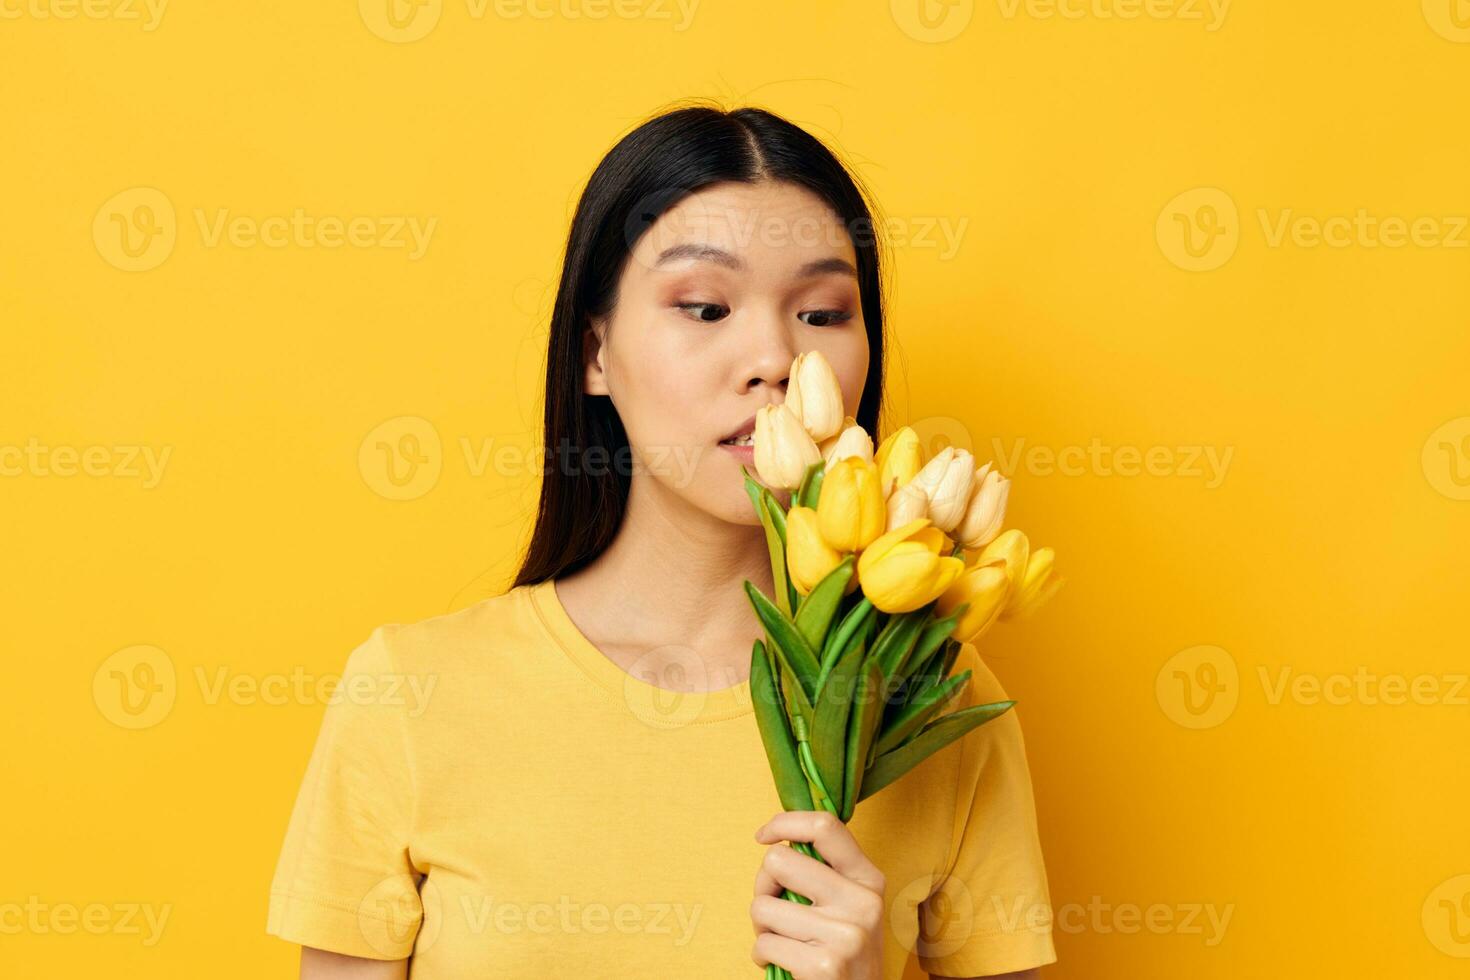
[{"x": 492, "y": 796}]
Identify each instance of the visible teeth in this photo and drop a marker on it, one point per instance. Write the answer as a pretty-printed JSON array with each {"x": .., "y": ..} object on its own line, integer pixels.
[{"x": 746, "y": 440}]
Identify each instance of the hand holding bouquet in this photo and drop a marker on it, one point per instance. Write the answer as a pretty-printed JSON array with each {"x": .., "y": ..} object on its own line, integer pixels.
[{"x": 884, "y": 565}]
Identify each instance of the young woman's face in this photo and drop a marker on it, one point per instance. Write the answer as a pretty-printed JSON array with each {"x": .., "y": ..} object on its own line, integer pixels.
[{"x": 715, "y": 301}]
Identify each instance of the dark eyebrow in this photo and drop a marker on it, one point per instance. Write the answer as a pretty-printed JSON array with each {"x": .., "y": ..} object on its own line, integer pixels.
[{"x": 710, "y": 253}]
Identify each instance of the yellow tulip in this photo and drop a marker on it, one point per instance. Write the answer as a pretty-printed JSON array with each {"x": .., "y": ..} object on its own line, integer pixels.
[
  {"x": 986, "y": 510},
  {"x": 853, "y": 440},
  {"x": 850, "y": 510},
  {"x": 985, "y": 588},
  {"x": 898, "y": 459},
  {"x": 783, "y": 448},
  {"x": 908, "y": 568},
  {"x": 808, "y": 557},
  {"x": 1038, "y": 584},
  {"x": 946, "y": 479},
  {"x": 1013, "y": 549},
  {"x": 906, "y": 503},
  {"x": 814, "y": 395}
]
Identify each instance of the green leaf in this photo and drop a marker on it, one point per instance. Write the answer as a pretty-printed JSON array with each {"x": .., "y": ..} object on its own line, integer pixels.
[
  {"x": 770, "y": 718},
  {"x": 862, "y": 725},
  {"x": 932, "y": 639},
  {"x": 776, "y": 548},
  {"x": 778, "y": 521},
  {"x": 814, "y": 614},
  {"x": 898, "y": 638},
  {"x": 861, "y": 611},
  {"x": 829, "y": 720},
  {"x": 933, "y": 737},
  {"x": 809, "y": 489},
  {"x": 920, "y": 709},
  {"x": 797, "y": 703},
  {"x": 752, "y": 489},
  {"x": 790, "y": 645}
]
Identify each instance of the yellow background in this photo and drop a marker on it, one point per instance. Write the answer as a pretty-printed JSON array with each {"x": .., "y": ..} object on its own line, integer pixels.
[{"x": 1069, "y": 154}]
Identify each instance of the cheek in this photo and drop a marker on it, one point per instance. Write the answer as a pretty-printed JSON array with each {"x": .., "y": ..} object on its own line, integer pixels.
[
  {"x": 656, "y": 399},
  {"x": 849, "y": 360}
]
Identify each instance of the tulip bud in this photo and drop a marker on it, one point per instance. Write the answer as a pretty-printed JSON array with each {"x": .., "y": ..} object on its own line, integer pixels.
[
  {"x": 946, "y": 479},
  {"x": 906, "y": 569},
  {"x": 898, "y": 459},
  {"x": 850, "y": 510},
  {"x": 853, "y": 440},
  {"x": 907, "y": 503},
  {"x": 814, "y": 395},
  {"x": 783, "y": 449},
  {"x": 1014, "y": 550},
  {"x": 808, "y": 557},
  {"x": 1038, "y": 584},
  {"x": 985, "y": 588},
  {"x": 986, "y": 510}
]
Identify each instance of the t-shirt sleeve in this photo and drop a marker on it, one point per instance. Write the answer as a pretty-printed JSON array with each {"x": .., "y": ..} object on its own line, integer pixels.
[
  {"x": 344, "y": 881},
  {"x": 991, "y": 911}
]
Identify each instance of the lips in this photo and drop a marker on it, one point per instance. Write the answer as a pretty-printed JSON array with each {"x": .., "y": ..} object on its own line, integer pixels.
[{"x": 747, "y": 428}]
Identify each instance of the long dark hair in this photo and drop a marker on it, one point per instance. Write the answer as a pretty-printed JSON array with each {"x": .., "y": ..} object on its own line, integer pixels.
[{"x": 650, "y": 170}]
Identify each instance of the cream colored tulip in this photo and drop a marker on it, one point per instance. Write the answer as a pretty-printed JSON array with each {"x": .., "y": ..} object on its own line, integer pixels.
[
  {"x": 814, "y": 395},
  {"x": 946, "y": 480},
  {"x": 907, "y": 503},
  {"x": 783, "y": 448},
  {"x": 853, "y": 440},
  {"x": 986, "y": 511},
  {"x": 898, "y": 458}
]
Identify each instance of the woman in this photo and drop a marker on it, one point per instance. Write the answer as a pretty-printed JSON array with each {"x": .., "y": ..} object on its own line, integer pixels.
[{"x": 584, "y": 792}]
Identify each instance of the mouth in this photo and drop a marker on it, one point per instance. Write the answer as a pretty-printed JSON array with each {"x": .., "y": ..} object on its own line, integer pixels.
[{"x": 743, "y": 436}]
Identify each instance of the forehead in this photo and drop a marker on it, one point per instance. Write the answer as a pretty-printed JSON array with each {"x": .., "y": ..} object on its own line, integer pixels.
[{"x": 777, "y": 226}]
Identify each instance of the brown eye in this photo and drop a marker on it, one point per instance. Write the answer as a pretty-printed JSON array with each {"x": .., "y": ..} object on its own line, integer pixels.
[
  {"x": 825, "y": 318},
  {"x": 704, "y": 312}
]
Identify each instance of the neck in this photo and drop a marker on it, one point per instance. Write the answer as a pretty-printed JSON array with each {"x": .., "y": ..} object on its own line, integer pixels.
[{"x": 673, "y": 577}]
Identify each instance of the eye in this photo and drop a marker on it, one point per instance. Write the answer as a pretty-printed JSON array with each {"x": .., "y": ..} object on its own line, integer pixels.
[
  {"x": 826, "y": 318},
  {"x": 704, "y": 311}
]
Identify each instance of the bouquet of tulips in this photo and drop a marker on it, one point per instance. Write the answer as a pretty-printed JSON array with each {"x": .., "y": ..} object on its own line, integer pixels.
[{"x": 884, "y": 565}]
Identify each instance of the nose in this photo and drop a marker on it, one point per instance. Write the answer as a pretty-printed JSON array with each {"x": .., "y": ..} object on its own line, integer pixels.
[{"x": 768, "y": 348}]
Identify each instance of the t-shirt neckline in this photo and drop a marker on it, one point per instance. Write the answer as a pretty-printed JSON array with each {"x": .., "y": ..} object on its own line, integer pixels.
[{"x": 666, "y": 707}]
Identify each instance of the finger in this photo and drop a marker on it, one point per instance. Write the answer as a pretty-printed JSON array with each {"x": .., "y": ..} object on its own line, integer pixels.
[
  {"x": 789, "y": 868},
  {"x": 796, "y": 921},
  {"x": 801, "y": 959},
  {"x": 832, "y": 839}
]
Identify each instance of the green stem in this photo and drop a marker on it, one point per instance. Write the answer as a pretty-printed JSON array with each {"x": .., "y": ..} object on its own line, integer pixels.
[{"x": 819, "y": 795}]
